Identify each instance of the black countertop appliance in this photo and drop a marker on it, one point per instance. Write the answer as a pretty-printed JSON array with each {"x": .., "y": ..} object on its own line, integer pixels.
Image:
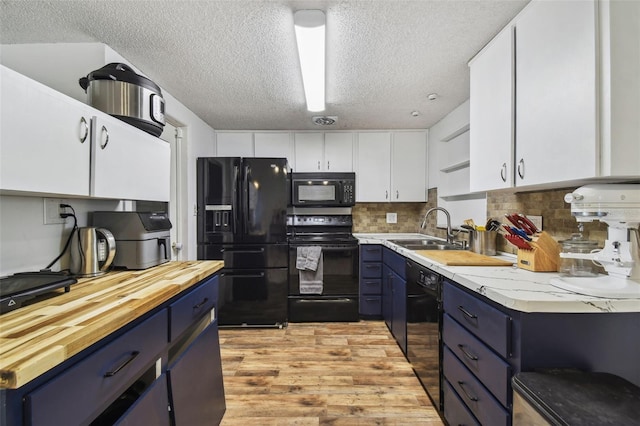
[{"x": 242, "y": 212}]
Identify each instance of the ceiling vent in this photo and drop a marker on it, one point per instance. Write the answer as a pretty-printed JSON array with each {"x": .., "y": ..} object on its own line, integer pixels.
[{"x": 325, "y": 120}]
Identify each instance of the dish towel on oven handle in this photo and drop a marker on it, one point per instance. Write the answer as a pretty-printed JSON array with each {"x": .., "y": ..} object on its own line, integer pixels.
[{"x": 309, "y": 265}]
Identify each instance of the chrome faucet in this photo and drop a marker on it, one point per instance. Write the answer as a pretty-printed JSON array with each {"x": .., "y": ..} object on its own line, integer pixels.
[{"x": 450, "y": 235}]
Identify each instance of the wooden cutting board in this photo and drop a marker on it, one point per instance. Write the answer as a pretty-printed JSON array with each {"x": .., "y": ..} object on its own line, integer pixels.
[{"x": 462, "y": 258}]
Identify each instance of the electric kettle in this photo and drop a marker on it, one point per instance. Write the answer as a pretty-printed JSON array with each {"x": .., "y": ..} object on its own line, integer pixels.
[{"x": 92, "y": 251}]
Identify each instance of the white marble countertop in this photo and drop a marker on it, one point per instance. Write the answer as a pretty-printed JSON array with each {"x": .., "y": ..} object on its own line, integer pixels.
[{"x": 512, "y": 287}]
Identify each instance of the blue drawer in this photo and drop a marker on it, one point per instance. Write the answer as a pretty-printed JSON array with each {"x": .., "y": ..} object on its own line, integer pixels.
[
  {"x": 370, "y": 286},
  {"x": 150, "y": 408},
  {"x": 371, "y": 253},
  {"x": 371, "y": 270},
  {"x": 487, "y": 323},
  {"x": 492, "y": 370},
  {"x": 188, "y": 309},
  {"x": 455, "y": 412},
  {"x": 80, "y": 393},
  {"x": 370, "y": 305},
  {"x": 474, "y": 395}
]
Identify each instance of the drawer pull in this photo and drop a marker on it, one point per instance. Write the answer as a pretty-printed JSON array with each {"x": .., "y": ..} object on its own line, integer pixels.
[
  {"x": 472, "y": 398},
  {"x": 133, "y": 356},
  {"x": 371, "y": 249},
  {"x": 372, "y": 266},
  {"x": 467, "y": 313},
  {"x": 467, "y": 354},
  {"x": 201, "y": 304}
]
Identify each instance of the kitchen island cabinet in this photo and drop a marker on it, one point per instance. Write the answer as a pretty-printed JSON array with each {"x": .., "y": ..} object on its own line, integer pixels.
[{"x": 114, "y": 349}]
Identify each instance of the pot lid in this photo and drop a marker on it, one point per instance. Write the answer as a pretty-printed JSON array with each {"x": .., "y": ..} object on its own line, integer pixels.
[{"x": 119, "y": 72}]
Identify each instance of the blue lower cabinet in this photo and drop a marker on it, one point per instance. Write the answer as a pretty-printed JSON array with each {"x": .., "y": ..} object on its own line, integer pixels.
[
  {"x": 455, "y": 411},
  {"x": 151, "y": 408},
  {"x": 196, "y": 388}
]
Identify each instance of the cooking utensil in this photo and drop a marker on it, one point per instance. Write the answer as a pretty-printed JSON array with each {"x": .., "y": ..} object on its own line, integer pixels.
[
  {"x": 493, "y": 225},
  {"x": 517, "y": 241},
  {"x": 519, "y": 223},
  {"x": 529, "y": 223},
  {"x": 521, "y": 233},
  {"x": 470, "y": 222}
]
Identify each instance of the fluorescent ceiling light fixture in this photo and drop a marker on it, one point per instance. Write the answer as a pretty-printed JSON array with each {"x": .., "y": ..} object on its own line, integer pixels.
[{"x": 310, "y": 36}]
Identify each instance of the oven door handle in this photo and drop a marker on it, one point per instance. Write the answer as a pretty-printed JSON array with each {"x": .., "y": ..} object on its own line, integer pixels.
[
  {"x": 328, "y": 248},
  {"x": 338, "y": 300}
]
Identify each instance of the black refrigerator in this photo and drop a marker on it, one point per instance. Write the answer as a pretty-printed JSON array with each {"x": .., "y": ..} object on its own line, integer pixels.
[{"x": 242, "y": 210}]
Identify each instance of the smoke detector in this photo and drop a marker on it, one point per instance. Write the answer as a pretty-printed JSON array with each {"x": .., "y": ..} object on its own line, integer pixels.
[{"x": 324, "y": 120}]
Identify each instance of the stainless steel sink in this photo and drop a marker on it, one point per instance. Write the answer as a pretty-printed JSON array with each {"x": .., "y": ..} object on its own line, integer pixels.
[{"x": 425, "y": 244}]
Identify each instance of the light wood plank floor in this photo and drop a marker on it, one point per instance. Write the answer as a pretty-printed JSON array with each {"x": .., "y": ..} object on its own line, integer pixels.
[{"x": 320, "y": 374}]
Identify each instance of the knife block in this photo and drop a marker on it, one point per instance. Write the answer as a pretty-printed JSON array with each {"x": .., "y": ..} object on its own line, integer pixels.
[{"x": 543, "y": 257}]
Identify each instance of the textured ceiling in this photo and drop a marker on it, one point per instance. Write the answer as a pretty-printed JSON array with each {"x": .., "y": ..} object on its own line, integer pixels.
[{"x": 234, "y": 63}]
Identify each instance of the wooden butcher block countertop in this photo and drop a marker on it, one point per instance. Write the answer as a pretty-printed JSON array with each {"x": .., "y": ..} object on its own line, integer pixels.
[
  {"x": 38, "y": 337},
  {"x": 462, "y": 258}
]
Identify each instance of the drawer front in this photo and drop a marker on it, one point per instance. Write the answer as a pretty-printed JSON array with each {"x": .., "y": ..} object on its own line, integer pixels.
[
  {"x": 492, "y": 370},
  {"x": 395, "y": 261},
  {"x": 93, "y": 383},
  {"x": 371, "y": 270},
  {"x": 455, "y": 412},
  {"x": 371, "y": 286},
  {"x": 370, "y": 305},
  {"x": 486, "y": 322},
  {"x": 371, "y": 253},
  {"x": 475, "y": 396},
  {"x": 188, "y": 309}
]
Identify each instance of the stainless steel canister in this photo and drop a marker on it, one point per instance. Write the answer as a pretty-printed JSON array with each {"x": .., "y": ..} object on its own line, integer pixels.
[{"x": 484, "y": 242}]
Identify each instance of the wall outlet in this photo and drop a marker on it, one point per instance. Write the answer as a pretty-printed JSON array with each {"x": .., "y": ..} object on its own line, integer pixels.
[
  {"x": 392, "y": 217},
  {"x": 537, "y": 221},
  {"x": 52, "y": 211}
]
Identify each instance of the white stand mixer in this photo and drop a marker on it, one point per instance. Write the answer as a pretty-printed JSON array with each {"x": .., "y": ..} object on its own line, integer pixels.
[{"x": 618, "y": 205}]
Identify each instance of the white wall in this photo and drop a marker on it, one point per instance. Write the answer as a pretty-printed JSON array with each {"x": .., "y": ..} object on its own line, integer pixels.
[
  {"x": 70, "y": 61},
  {"x": 27, "y": 244}
]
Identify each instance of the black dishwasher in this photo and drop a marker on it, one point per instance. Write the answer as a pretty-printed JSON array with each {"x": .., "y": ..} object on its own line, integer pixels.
[{"x": 424, "y": 328}]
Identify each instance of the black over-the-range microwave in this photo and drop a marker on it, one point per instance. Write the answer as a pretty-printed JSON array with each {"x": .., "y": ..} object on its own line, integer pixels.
[{"x": 323, "y": 189}]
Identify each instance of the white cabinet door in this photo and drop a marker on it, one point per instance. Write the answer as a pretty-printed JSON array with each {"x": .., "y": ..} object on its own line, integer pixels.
[
  {"x": 274, "y": 145},
  {"x": 234, "y": 144},
  {"x": 373, "y": 175},
  {"x": 44, "y": 138},
  {"x": 128, "y": 163},
  {"x": 491, "y": 115},
  {"x": 309, "y": 152},
  {"x": 338, "y": 152},
  {"x": 408, "y": 166},
  {"x": 556, "y": 121}
]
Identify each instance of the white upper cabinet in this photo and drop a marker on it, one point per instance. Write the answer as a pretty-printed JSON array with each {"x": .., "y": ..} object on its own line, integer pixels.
[
  {"x": 391, "y": 166},
  {"x": 491, "y": 108},
  {"x": 128, "y": 163},
  {"x": 408, "y": 166},
  {"x": 556, "y": 121},
  {"x": 576, "y": 85},
  {"x": 75, "y": 150},
  {"x": 274, "y": 145},
  {"x": 309, "y": 152},
  {"x": 234, "y": 144},
  {"x": 44, "y": 138},
  {"x": 338, "y": 152}
]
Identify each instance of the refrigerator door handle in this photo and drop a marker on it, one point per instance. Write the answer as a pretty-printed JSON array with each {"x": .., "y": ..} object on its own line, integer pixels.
[
  {"x": 236, "y": 207},
  {"x": 245, "y": 217}
]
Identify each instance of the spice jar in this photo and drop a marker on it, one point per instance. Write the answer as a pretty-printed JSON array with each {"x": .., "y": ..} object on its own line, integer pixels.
[{"x": 575, "y": 259}]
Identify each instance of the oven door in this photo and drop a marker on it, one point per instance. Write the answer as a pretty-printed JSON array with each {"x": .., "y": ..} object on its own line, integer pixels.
[{"x": 340, "y": 268}]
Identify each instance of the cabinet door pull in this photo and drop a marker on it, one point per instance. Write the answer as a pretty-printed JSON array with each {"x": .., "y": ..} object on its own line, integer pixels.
[
  {"x": 328, "y": 165},
  {"x": 503, "y": 172},
  {"x": 521, "y": 168},
  {"x": 467, "y": 313},
  {"x": 132, "y": 356},
  {"x": 201, "y": 304},
  {"x": 471, "y": 397},
  {"x": 83, "y": 126},
  {"x": 105, "y": 140},
  {"x": 386, "y": 195},
  {"x": 397, "y": 194},
  {"x": 372, "y": 266},
  {"x": 467, "y": 354},
  {"x": 318, "y": 165}
]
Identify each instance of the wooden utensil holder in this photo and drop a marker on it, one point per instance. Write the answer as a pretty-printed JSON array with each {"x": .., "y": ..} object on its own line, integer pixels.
[{"x": 543, "y": 257}]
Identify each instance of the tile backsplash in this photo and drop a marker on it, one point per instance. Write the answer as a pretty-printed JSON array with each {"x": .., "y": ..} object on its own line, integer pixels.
[{"x": 556, "y": 215}]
